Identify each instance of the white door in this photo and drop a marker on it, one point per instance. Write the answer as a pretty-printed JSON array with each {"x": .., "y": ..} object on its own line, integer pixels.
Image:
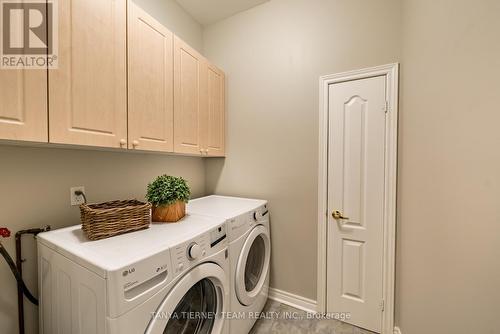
[{"x": 356, "y": 157}]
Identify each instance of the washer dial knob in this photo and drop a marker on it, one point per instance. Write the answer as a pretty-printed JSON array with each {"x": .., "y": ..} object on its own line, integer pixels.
[{"x": 194, "y": 251}]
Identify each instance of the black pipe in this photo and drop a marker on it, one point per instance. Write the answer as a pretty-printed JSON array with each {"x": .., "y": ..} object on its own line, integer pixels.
[
  {"x": 21, "y": 286},
  {"x": 18, "y": 277},
  {"x": 20, "y": 300},
  {"x": 17, "y": 270}
]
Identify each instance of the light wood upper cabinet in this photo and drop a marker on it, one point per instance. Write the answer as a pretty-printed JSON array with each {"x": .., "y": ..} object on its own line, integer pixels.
[
  {"x": 87, "y": 93},
  {"x": 199, "y": 110},
  {"x": 171, "y": 101},
  {"x": 189, "y": 69},
  {"x": 23, "y": 105},
  {"x": 150, "y": 83},
  {"x": 214, "y": 120}
]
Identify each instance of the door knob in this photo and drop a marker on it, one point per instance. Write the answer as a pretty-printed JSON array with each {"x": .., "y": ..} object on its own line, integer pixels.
[
  {"x": 135, "y": 143},
  {"x": 338, "y": 215},
  {"x": 123, "y": 142}
]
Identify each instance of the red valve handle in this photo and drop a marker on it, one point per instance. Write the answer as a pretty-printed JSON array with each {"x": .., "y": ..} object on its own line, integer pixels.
[{"x": 4, "y": 232}]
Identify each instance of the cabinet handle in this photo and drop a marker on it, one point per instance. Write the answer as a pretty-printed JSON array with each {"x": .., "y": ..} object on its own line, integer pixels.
[
  {"x": 135, "y": 143},
  {"x": 123, "y": 142}
]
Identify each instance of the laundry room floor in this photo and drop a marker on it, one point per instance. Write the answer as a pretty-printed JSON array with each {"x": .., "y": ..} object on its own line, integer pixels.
[{"x": 288, "y": 326}]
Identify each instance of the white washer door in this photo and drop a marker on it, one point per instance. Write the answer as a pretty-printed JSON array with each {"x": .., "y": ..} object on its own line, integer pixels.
[
  {"x": 253, "y": 265},
  {"x": 194, "y": 305}
]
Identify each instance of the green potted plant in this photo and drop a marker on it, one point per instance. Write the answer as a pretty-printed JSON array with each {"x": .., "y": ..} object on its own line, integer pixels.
[{"x": 168, "y": 196}]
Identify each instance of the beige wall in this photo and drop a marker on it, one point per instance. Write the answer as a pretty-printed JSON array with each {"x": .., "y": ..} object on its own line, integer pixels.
[
  {"x": 449, "y": 226},
  {"x": 35, "y": 182},
  {"x": 273, "y": 56}
]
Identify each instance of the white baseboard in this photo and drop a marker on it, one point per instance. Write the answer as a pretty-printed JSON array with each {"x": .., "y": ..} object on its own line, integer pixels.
[
  {"x": 292, "y": 300},
  {"x": 301, "y": 303}
]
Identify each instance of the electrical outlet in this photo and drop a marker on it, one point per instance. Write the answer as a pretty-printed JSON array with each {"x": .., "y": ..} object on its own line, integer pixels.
[{"x": 76, "y": 199}]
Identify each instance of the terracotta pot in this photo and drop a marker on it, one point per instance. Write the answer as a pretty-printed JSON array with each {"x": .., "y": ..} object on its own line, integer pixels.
[{"x": 169, "y": 213}]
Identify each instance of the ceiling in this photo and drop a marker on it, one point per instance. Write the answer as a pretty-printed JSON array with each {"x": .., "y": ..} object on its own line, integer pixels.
[{"x": 210, "y": 11}]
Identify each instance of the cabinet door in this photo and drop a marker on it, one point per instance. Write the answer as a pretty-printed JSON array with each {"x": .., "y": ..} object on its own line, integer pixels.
[
  {"x": 87, "y": 93},
  {"x": 23, "y": 107},
  {"x": 189, "y": 66},
  {"x": 215, "y": 113},
  {"x": 150, "y": 85}
]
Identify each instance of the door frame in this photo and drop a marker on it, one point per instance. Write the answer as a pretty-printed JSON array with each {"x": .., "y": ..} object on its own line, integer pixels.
[{"x": 391, "y": 71}]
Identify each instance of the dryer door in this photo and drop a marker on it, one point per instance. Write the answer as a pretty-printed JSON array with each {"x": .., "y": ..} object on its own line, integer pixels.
[
  {"x": 253, "y": 265},
  {"x": 194, "y": 305}
]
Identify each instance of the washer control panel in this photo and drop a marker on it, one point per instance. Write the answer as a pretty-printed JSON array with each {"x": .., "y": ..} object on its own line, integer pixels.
[
  {"x": 261, "y": 214},
  {"x": 217, "y": 235},
  {"x": 191, "y": 252},
  {"x": 194, "y": 251},
  {"x": 242, "y": 223}
]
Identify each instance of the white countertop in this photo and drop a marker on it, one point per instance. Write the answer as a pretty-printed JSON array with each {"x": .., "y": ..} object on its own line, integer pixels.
[
  {"x": 121, "y": 250},
  {"x": 223, "y": 206}
]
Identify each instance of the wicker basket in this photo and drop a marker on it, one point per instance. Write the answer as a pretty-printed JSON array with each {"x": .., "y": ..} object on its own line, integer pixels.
[{"x": 104, "y": 220}]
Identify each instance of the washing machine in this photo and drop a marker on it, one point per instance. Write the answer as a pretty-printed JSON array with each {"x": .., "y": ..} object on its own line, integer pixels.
[
  {"x": 249, "y": 254},
  {"x": 170, "y": 278}
]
